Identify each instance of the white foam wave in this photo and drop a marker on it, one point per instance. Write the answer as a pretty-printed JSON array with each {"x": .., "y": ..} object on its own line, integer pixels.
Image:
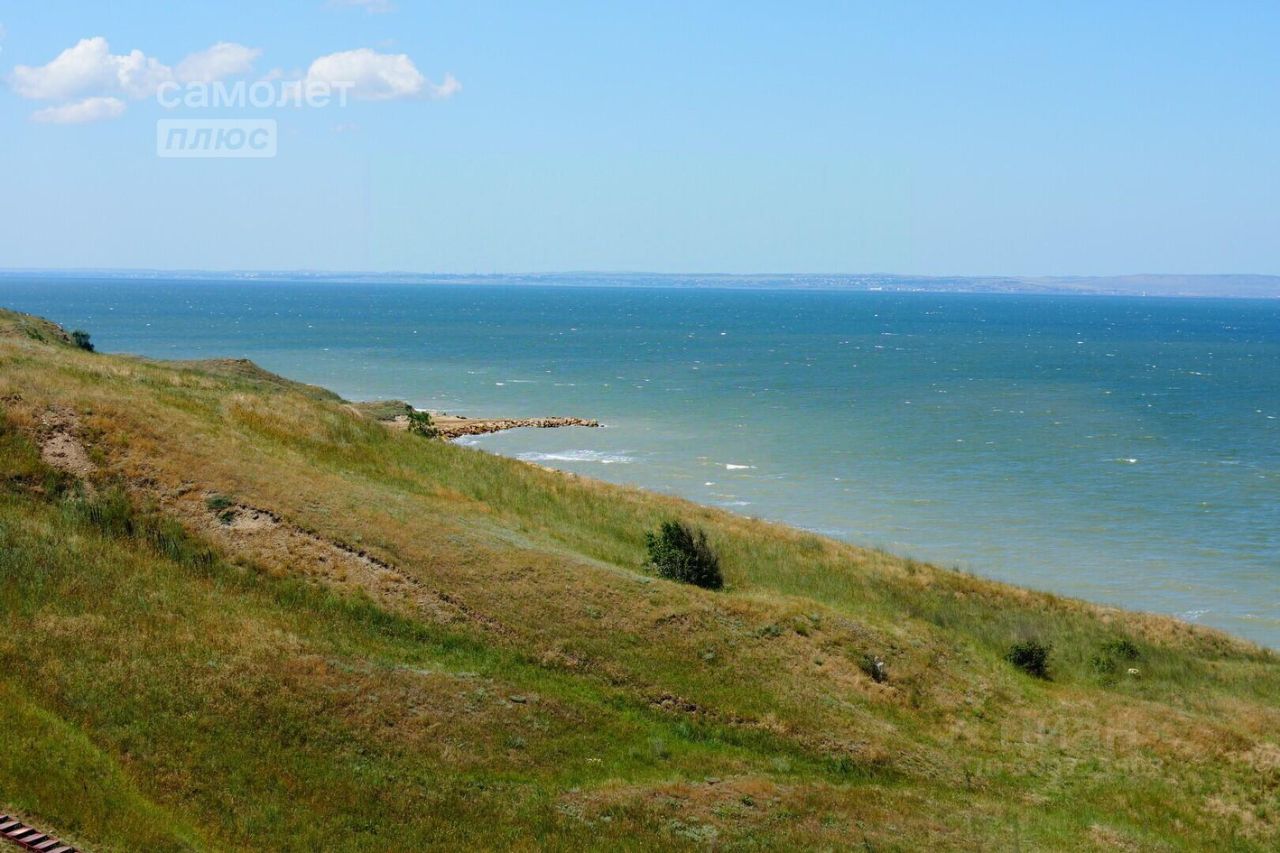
[
  {"x": 729, "y": 466},
  {"x": 578, "y": 456}
]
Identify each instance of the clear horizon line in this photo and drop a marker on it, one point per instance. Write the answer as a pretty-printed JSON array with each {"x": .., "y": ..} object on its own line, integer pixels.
[{"x": 653, "y": 273}]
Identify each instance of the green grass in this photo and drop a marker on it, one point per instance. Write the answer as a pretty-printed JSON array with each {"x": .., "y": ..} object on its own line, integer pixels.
[
  {"x": 212, "y": 688},
  {"x": 383, "y": 410}
]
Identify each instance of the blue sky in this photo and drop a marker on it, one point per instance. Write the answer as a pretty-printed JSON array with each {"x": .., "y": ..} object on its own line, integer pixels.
[{"x": 975, "y": 138}]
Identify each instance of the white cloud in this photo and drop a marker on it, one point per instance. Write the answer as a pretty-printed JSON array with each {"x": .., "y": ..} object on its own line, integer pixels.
[
  {"x": 89, "y": 68},
  {"x": 80, "y": 112},
  {"x": 87, "y": 65},
  {"x": 139, "y": 75},
  {"x": 222, "y": 60},
  {"x": 90, "y": 83},
  {"x": 446, "y": 89},
  {"x": 375, "y": 76}
]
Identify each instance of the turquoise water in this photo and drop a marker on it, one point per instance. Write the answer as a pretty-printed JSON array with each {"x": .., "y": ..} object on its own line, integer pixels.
[{"x": 1121, "y": 450}]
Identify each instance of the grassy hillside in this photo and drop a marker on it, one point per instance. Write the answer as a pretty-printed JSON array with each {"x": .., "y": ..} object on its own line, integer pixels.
[{"x": 235, "y": 612}]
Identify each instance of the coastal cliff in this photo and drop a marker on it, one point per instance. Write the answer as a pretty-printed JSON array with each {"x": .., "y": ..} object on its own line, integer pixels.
[{"x": 239, "y": 611}]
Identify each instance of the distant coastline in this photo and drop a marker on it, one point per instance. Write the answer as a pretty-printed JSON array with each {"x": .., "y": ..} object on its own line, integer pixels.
[{"x": 1169, "y": 285}]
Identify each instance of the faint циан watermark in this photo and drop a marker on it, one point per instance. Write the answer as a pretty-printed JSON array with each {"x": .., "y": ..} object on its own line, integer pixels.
[
  {"x": 236, "y": 137},
  {"x": 261, "y": 94},
  {"x": 231, "y": 137}
]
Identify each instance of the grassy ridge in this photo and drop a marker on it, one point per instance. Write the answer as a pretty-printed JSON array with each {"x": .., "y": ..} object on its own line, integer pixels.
[{"x": 224, "y": 688}]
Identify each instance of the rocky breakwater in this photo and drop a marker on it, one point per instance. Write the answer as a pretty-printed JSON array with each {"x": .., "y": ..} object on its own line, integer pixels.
[{"x": 452, "y": 426}]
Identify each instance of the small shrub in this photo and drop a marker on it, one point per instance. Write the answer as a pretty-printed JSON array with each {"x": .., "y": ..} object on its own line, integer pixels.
[
  {"x": 1122, "y": 649},
  {"x": 1030, "y": 656},
  {"x": 420, "y": 423},
  {"x": 874, "y": 668},
  {"x": 1106, "y": 663},
  {"x": 81, "y": 339},
  {"x": 217, "y": 503},
  {"x": 681, "y": 553}
]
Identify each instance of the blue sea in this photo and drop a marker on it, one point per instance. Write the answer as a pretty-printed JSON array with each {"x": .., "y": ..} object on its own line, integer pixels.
[{"x": 1123, "y": 450}]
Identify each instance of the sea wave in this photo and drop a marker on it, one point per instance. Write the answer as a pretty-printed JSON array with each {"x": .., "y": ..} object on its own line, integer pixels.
[{"x": 579, "y": 456}]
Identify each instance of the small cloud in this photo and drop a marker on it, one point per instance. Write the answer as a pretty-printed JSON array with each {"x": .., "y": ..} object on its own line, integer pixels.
[
  {"x": 89, "y": 66},
  {"x": 446, "y": 89},
  {"x": 374, "y": 76},
  {"x": 373, "y": 7},
  {"x": 81, "y": 112},
  {"x": 222, "y": 60}
]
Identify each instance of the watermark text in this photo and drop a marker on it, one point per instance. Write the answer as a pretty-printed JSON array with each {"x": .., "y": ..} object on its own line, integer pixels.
[
  {"x": 216, "y": 137},
  {"x": 262, "y": 94}
]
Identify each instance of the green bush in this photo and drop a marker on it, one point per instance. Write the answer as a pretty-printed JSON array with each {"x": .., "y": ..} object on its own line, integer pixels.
[
  {"x": 81, "y": 339},
  {"x": 681, "y": 553},
  {"x": 1122, "y": 649},
  {"x": 1106, "y": 663},
  {"x": 420, "y": 423},
  {"x": 1030, "y": 656}
]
